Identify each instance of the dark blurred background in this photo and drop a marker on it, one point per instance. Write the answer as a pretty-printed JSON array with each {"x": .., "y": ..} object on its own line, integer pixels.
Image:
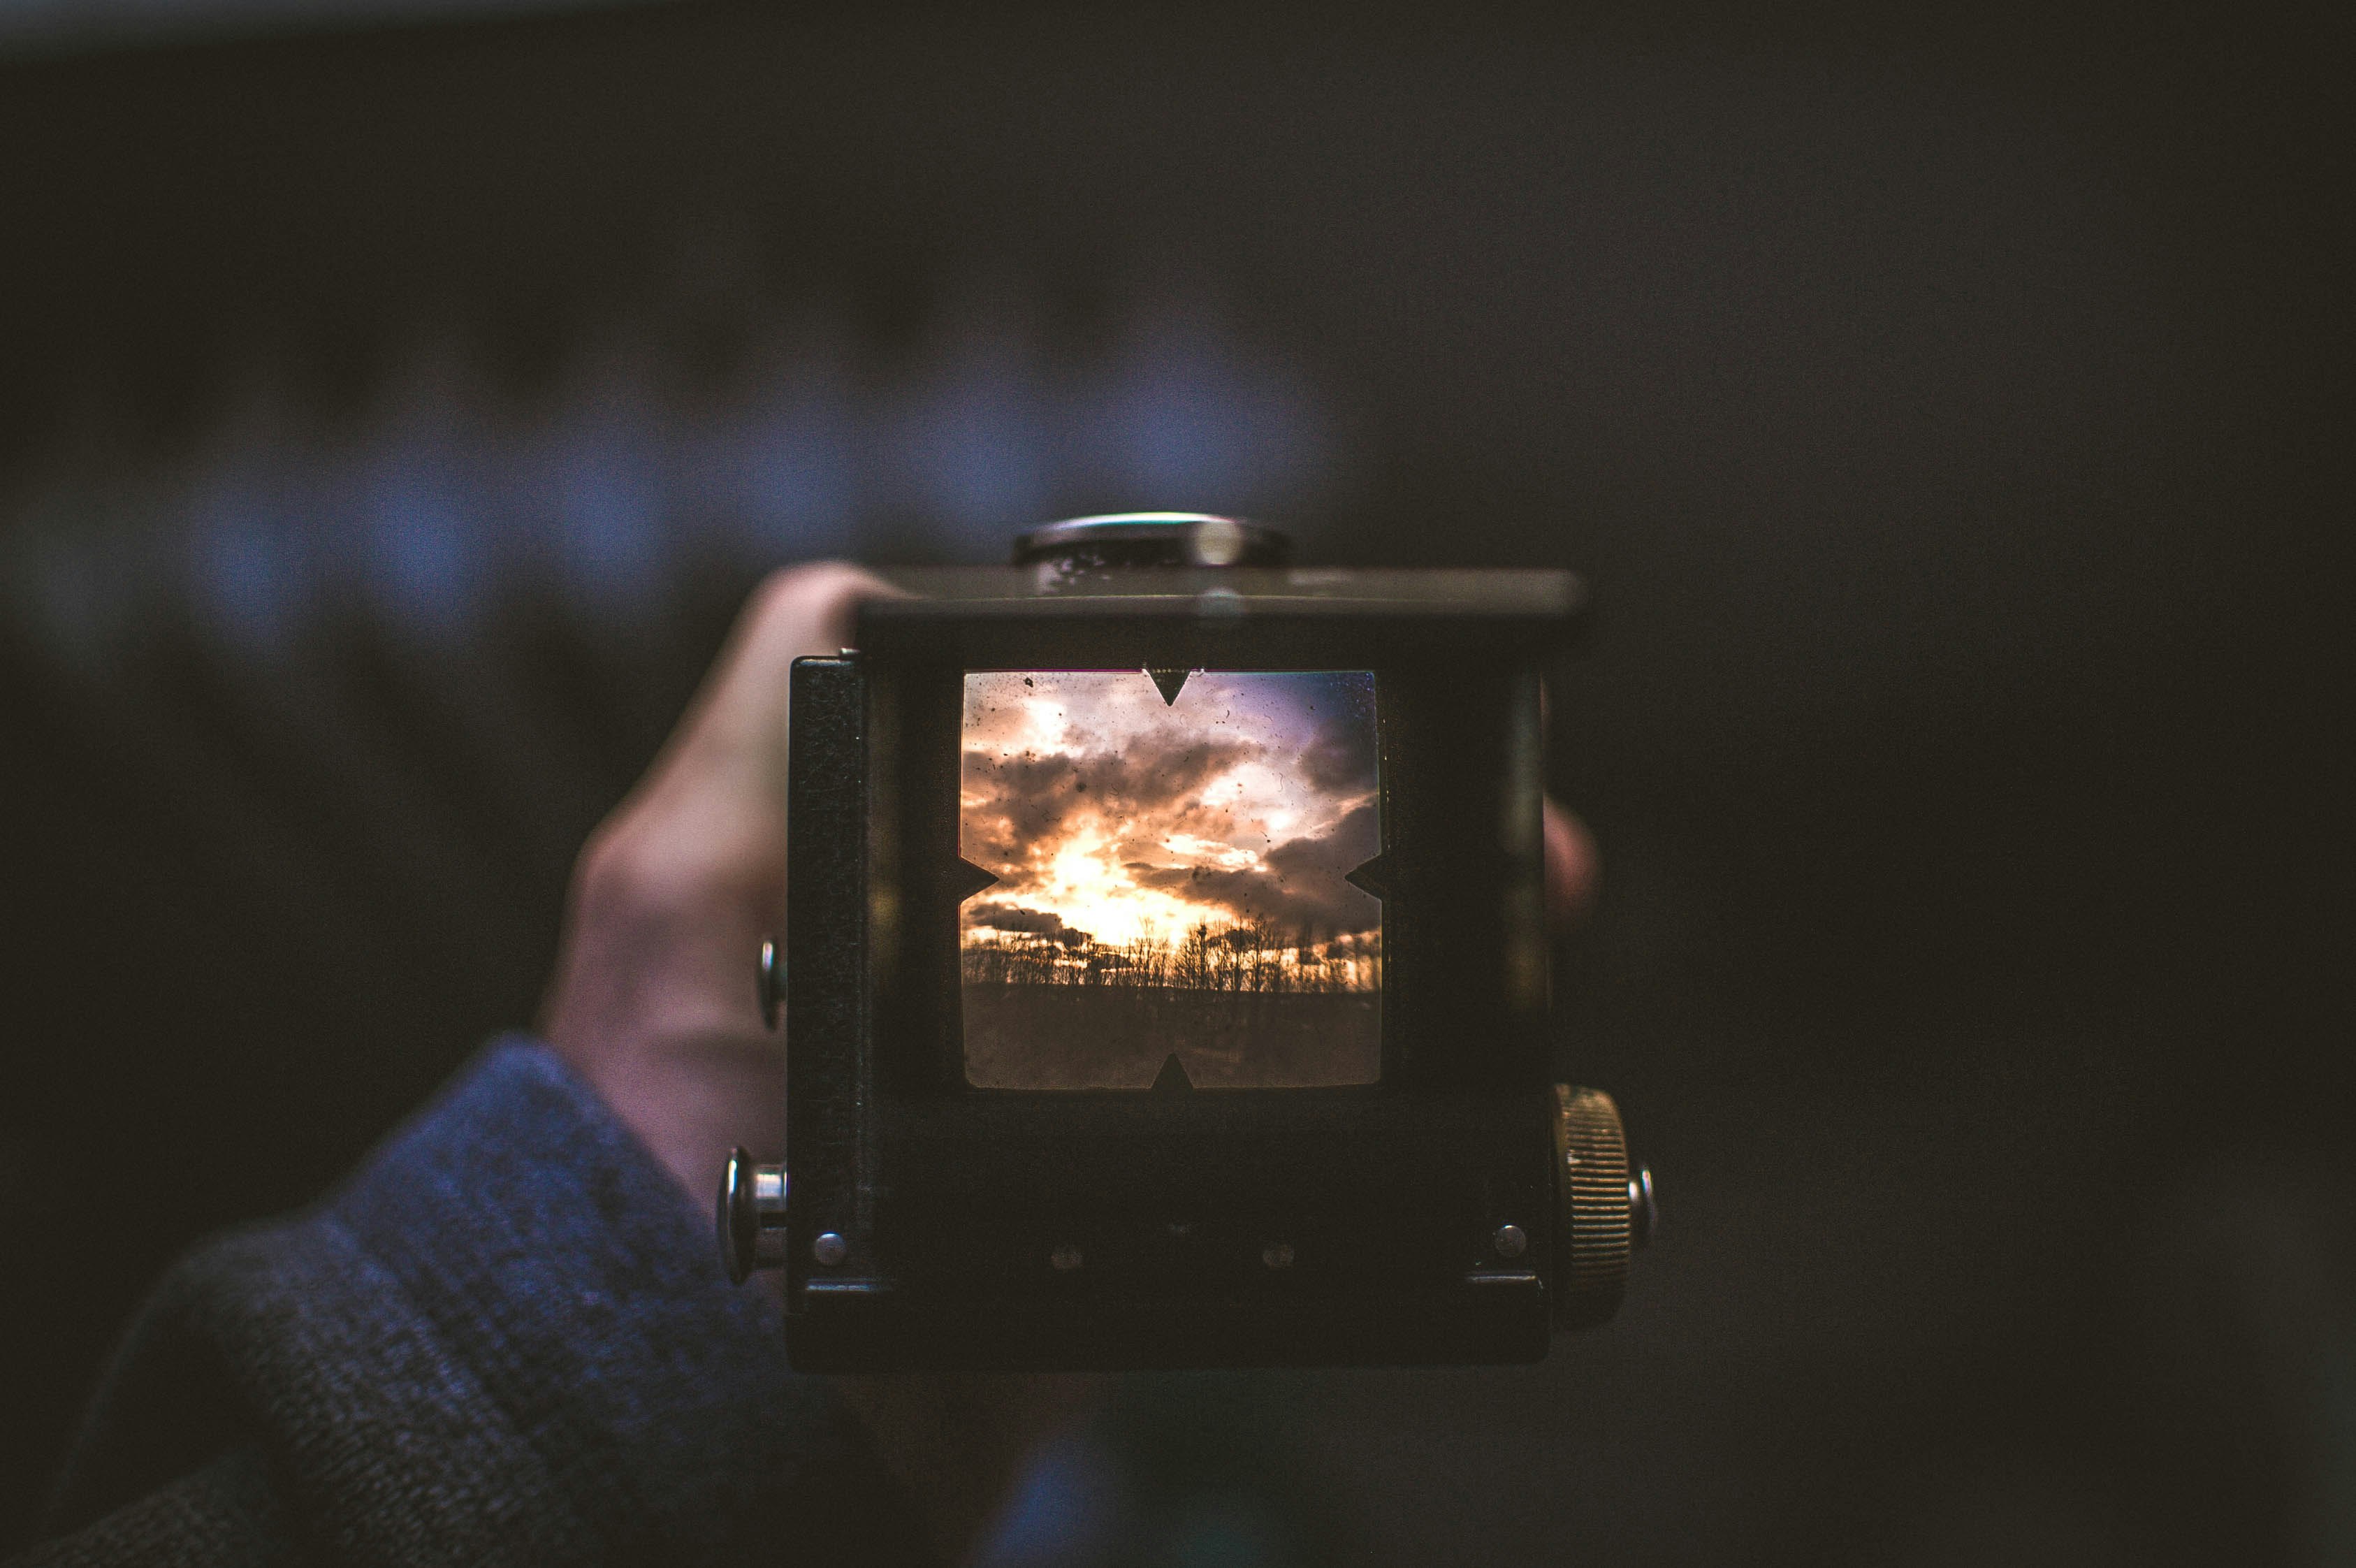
[{"x": 396, "y": 400}]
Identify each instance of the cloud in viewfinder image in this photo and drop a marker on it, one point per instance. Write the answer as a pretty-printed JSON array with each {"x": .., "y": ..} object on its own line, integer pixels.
[{"x": 1105, "y": 811}]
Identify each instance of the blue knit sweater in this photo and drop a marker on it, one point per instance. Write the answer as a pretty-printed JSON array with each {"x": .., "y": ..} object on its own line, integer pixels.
[{"x": 506, "y": 1340}]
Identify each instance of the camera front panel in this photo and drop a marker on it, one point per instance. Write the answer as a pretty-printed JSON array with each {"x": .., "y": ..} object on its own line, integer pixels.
[{"x": 1131, "y": 1028}]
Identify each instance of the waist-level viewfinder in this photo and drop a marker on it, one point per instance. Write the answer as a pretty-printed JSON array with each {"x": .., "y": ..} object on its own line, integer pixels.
[{"x": 1166, "y": 975}]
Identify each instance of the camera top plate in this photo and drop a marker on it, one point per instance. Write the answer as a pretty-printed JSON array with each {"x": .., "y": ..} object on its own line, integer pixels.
[{"x": 1302, "y": 617}]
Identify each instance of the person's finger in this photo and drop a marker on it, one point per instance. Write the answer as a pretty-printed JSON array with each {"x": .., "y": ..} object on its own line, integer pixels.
[
  {"x": 734, "y": 732},
  {"x": 1572, "y": 867},
  {"x": 710, "y": 816}
]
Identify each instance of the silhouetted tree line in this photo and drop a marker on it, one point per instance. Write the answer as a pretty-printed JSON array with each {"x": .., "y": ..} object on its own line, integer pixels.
[{"x": 1252, "y": 956}]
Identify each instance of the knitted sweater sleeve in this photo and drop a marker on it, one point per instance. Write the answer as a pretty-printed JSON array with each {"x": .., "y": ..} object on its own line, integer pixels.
[{"x": 505, "y": 1340}]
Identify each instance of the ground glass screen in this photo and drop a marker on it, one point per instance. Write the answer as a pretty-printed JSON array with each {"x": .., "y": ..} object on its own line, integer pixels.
[{"x": 1172, "y": 906}]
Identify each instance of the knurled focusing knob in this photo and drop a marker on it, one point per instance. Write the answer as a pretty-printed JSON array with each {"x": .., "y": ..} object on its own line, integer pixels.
[{"x": 1595, "y": 1222}]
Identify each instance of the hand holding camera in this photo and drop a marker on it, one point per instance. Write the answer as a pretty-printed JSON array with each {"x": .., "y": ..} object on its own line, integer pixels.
[{"x": 653, "y": 1001}]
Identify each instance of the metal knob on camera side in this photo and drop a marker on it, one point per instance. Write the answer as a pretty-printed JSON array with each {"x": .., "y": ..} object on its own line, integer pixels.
[
  {"x": 752, "y": 1219},
  {"x": 1605, "y": 1206}
]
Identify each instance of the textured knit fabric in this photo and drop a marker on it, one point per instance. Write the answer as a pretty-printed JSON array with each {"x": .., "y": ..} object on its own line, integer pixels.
[{"x": 506, "y": 1340}]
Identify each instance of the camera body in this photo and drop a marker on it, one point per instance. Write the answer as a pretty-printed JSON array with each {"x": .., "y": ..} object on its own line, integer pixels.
[{"x": 1286, "y": 1099}]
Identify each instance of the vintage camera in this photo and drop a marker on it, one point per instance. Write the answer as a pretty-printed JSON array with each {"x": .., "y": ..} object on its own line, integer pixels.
[{"x": 1166, "y": 974}]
